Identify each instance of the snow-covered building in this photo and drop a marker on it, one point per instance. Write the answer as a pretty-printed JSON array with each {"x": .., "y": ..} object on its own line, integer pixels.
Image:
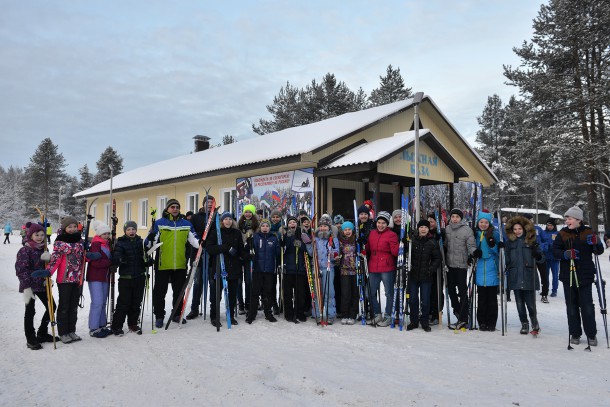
[{"x": 317, "y": 167}]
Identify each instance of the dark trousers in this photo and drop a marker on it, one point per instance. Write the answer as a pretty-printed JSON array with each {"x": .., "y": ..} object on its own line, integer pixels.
[
  {"x": 417, "y": 288},
  {"x": 294, "y": 295},
  {"x": 523, "y": 299},
  {"x": 69, "y": 295},
  {"x": 262, "y": 284},
  {"x": 30, "y": 311},
  {"x": 131, "y": 293},
  {"x": 487, "y": 311},
  {"x": 162, "y": 279},
  {"x": 232, "y": 286},
  {"x": 544, "y": 278},
  {"x": 337, "y": 285},
  {"x": 458, "y": 292},
  {"x": 436, "y": 295},
  {"x": 200, "y": 281},
  {"x": 7, "y": 238},
  {"x": 580, "y": 308},
  {"x": 350, "y": 297}
]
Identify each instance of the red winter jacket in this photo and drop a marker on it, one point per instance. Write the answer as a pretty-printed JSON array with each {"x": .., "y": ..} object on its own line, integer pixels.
[
  {"x": 382, "y": 251},
  {"x": 98, "y": 269}
]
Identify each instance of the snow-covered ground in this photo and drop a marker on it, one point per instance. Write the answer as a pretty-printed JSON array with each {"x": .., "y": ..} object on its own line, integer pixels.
[{"x": 279, "y": 364}]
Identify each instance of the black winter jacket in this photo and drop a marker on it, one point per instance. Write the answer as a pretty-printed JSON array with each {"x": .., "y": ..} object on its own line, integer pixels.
[
  {"x": 231, "y": 238},
  {"x": 576, "y": 239},
  {"x": 425, "y": 259},
  {"x": 129, "y": 255}
]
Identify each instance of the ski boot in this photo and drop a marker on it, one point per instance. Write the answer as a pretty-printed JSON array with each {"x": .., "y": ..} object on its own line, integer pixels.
[{"x": 525, "y": 328}]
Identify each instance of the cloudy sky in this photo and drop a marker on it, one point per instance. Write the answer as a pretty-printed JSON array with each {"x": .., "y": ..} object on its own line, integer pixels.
[{"x": 146, "y": 76}]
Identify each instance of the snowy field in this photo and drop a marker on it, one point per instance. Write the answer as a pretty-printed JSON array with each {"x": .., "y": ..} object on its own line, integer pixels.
[{"x": 284, "y": 364}]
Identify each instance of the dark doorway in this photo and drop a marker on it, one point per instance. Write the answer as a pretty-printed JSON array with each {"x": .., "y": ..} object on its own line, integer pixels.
[
  {"x": 386, "y": 201},
  {"x": 343, "y": 202}
]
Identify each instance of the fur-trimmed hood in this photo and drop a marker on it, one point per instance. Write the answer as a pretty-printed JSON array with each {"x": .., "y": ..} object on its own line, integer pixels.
[{"x": 528, "y": 227}]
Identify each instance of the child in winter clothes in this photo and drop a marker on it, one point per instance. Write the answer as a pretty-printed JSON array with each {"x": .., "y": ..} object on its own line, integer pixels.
[
  {"x": 278, "y": 230},
  {"x": 266, "y": 252},
  {"x": 234, "y": 254},
  {"x": 522, "y": 254},
  {"x": 130, "y": 257},
  {"x": 327, "y": 251},
  {"x": 306, "y": 237},
  {"x": 425, "y": 260},
  {"x": 98, "y": 277},
  {"x": 295, "y": 277},
  {"x": 547, "y": 237},
  {"x": 575, "y": 245},
  {"x": 248, "y": 225},
  {"x": 487, "y": 277},
  {"x": 67, "y": 260},
  {"x": 30, "y": 258},
  {"x": 350, "y": 293}
]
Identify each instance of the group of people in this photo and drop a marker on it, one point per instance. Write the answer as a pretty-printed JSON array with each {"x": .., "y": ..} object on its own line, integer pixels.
[{"x": 331, "y": 272}]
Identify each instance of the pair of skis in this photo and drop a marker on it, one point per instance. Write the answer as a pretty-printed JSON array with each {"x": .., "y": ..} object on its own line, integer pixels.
[{"x": 399, "y": 285}]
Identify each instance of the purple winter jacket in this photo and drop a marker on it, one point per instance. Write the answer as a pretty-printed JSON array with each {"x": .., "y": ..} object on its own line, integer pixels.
[{"x": 28, "y": 261}]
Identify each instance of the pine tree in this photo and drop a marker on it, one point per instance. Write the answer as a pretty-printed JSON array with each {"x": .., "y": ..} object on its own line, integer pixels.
[
  {"x": 87, "y": 179},
  {"x": 391, "y": 88},
  {"x": 69, "y": 204},
  {"x": 228, "y": 139},
  {"x": 42, "y": 179},
  {"x": 109, "y": 158},
  {"x": 11, "y": 201}
]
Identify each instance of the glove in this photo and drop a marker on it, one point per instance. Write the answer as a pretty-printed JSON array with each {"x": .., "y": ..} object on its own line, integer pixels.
[
  {"x": 501, "y": 245},
  {"x": 225, "y": 248},
  {"x": 571, "y": 254},
  {"x": 336, "y": 255},
  {"x": 42, "y": 273},
  {"x": 362, "y": 254},
  {"x": 28, "y": 295},
  {"x": 592, "y": 239},
  {"x": 477, "y": 253},
  {"x": 305, "y": 238},
  {"x": 232, "y": 252},
  {"x": 491, "y": 242},
  {"x": 297, "y": 243},
  {"x": 45, "y": 256},
  {"x": 93, "y": 255}
]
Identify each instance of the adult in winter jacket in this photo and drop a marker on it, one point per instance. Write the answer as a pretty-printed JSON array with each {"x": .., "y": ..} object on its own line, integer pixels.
[
  {"x": 266, "y": 256},
  {"x": 547, "y": 237},
  {"x": 174, "y": 232},
  {"x": 295, "y": 272},
  {"x": 437, "y": 299},
  {"x": 487, "y": 275},
  {"x": 425, "y": 260},
  {"x": 8, "y": 229},
  {"x": 382, "y": 251},
  {"x": 31, "y": 257},
  {"x": 522, "y": 254},
  {"x": 575, "y": 245},
  {"x": 248, "y": 225},
  {"x": 199, "y": 221},
  {"x": 460, "y": 246},
  {"x": 130, "y": 257},
  {"x": 231, "y": 248},
  {"x": 98, "y": 278}
]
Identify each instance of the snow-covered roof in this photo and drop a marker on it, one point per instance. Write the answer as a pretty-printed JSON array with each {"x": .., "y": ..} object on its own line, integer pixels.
[
  {"x": 376, "y": 150},
  {"x": 533, "y": 212},
  {"x": 281, "y": 144}
]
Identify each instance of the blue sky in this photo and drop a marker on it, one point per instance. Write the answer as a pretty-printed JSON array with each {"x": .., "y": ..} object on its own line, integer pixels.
[{"x": 147, "y": 76}]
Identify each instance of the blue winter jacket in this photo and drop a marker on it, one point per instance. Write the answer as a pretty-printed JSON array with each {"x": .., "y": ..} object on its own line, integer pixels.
[
  {"x": 487, "y": 265},
  {"x": 323, "y": 251},
  {"x": 266, "y": 252},
  {"x": 295, "y": 257},
  {"x": 547, "y": 237}
]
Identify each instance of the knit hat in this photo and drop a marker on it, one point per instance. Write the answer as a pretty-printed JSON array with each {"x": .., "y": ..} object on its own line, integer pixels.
[
  {"x": 250, "y": 208},
  {"x": 225, "y": 215},
  {"x": 189, "y": 213},
  {"x": 130, "y": 224},
  {"x": 34, "y": 227},
  {"x": 326, "y": 217},
  {"x": 551, "y": 221},
  {"x": 527, "y": 216},
  {"x": 574, "y": 212},
  {"x": 172, "y": 202},
  {"x": 324, "y": 220},
  {"x": 347, "y": 225},
  {"x": 99, "y": 227},
  {"x": 275, "y": 212},
  {"x": 385, "y": 216},
  {"x": 292, "y": 218},
  {"x": 485, "y": 215},
  {"x": 396, "y": 212},
  {"x": 423, "y": 222},
  {"x": 456, "y": 211},
  {"x": 363, "y": 209},
  {"x": 67, "y": 221},
  {"x": 338, "y": 219},
  {"x": 265, "y": 220},
  {"x": 303, "y": 218}
]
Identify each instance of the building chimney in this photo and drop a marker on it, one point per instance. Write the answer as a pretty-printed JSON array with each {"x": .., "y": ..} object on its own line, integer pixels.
[{"x": 201, "y": 143}]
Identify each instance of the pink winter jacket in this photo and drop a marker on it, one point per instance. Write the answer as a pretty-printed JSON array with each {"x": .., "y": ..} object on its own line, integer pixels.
[{"x": 67, "y": 260}]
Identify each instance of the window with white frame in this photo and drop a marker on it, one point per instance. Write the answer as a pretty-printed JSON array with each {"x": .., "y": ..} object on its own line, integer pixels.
[
  {"x": 161, "y": 203},
  {"x": 227, "y": 196},
  {"x": 127, "y": 211},
  {"x": 107, "y": 213},
  {"x": 192, "y": 202},
  {"x": 143, "y": 221}
]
